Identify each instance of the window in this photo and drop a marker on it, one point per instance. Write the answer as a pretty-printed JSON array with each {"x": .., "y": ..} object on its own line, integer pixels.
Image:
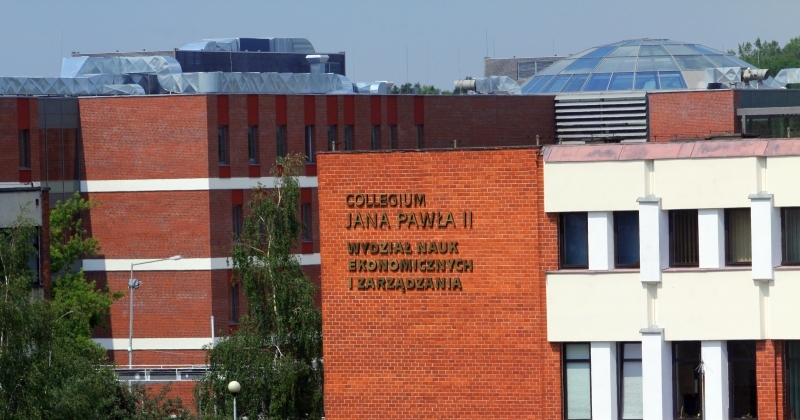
[
  {"x": 305, "y": 210},
  {"x": 24, "y": 148},
  {"x": 376, "y": 137},
  {"x": 742, "y": 377},
  {"x": 237, "y": 221},
  {"x": 252, "y": 144},
  {"x": 790, "y": 226},
  {"x": 577, "y": 382},
  {"x": 393, "y": 136},
  {"x": 222, "y": 144},
  {"x": 420, "y": 136},
  {"x": 792, "y": 362},
  {"x": 626, "y": 238},
  {"x": 683, "y": 238},
  {"x": 737, "y": 237},
  {"x": 348, "y": 137},
  {"x": 574, "y": 240},
  {"x": 630, "y": 382},
  {"x": 686, "y": 379},
  {"x": 331, "y": 138},
  {"x": 280, "y": 140},
  {"x": 234, "y": 303},
  {"x": 309, "y": 144}
]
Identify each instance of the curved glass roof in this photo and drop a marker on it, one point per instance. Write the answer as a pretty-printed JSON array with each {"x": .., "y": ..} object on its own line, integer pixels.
[{"x": 641, "y": 64}]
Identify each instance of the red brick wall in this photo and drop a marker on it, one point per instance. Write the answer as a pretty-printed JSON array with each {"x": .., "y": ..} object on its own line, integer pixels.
[
  {"x": 692, "y": 115},
  {"x": 9, "y": 141},
  {"x": 769, "y": 379},
  {"x": 473, "y": 354}
]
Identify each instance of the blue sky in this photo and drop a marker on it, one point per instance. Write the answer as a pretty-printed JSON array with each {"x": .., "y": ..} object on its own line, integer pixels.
[{"x": 446, "y": 40}]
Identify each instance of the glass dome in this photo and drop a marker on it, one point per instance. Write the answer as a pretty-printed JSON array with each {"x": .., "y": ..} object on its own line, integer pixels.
[{"x": 642, "y": 64}]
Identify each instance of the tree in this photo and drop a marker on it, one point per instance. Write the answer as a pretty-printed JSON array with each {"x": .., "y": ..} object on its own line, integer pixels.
[
  {"x": 770, "y": 55},
  {"x": 276, "y": 352},
  {"x": 408, "y": 88}
]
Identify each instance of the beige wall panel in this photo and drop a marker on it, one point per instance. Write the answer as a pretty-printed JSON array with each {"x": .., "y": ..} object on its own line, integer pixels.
[
  {"x": 715, "y": 305},
  {"x": 784, "y": 306},
  {"x": 783, "y": 180},
  {"x": 595, "y": 307},
  {"x": 13, "y": 203},
  {"x": 705, "y": 183},
  {"x": 593, "y": 186}
]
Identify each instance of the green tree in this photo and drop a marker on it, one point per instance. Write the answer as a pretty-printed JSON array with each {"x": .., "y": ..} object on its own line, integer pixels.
[
  {"x": 276, "y": 352},
  {"x": 770, "y": 55}
]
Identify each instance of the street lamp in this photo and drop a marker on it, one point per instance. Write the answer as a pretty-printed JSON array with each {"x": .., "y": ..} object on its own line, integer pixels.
[
  {"x": 234, "y": 388},
  {"x": 134, "y": 284}
]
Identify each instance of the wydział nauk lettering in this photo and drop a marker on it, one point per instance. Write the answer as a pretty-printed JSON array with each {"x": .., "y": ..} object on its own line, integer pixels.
[
  {"x": 406, "y": 284},
  {"x": 406, "y": 265}
]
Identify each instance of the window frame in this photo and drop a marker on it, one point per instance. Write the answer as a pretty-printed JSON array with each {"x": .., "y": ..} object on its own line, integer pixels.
[
  {"x": 562, "y": 244},
  {"x": 234, "y": 302},
  {"x": 564, "y": 362},
  {"x": 309, "y": 143},
  {"x": 252, "y": 144},
  {"x": 784, "y": 247},
  {"x": 349, "y": 137},
  {"x": 787, "y": 364},
  {"x": 223, "y": 145},
  {"x": 675, "y": 361},
  {"x": 238, "y": 221},
  {"x": 332, "y": 132},
  {"x": 25, "y": 148},
  {"x": 671, "y": 234},
  {"x": 393, "y": 136},
  {"x": 728, "y": 261},
  {"x": 420, "y": 136},
  {"x": 620, "y": 366},
  {"x": 616, "y": 242},
  {"x": 731, "y": 360},
  {"x": 280, "y": 140},
  {"x": 375, "y": 136}
]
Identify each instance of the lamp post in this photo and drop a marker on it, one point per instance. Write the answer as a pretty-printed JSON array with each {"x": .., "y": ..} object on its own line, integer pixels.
[
  {"x": 134, "y": 284},
  {"x": 234, "y": 388}
]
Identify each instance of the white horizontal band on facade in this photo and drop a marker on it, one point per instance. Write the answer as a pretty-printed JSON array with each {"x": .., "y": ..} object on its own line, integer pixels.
[
  {"x": 185, "y": 264},
  {"x": 154, "y": 343},
  {"x": 186, "y": 184}
]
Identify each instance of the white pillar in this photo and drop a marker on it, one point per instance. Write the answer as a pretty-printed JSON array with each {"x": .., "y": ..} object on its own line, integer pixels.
[
  {"x": 653, "y": 239},
  {"x": 601, "y": 240},
  {"x": 656, "y": 375},
  {"x": 604, "y": 381},
  {"x": 711, "y": 236},
  {"x": 765, "y": 231},
  {"x": 715, "y": 368}
]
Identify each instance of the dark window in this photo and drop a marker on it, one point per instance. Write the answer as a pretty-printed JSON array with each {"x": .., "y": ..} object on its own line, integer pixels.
[
  {"x": 252, "y": 144},
  {"x": 577, "y": 382},
  {"x": 737, "y": 237},
  {"x": 626, "y": 238},
  {"x": 742, "y": 377},
  {"x": 792, "y": 378},
  {"x": 24, "y": 148},
  {"x": 348, "y": 137},
  {"x": 376, "y": 137},
  {"x": 280, "y": 140},
  {"x": 237, "y": 221},
  {"x": 309, "y": 144},
  {"x": 222, "y": 144},
  {"x": 331, "y": 138},
  {"x": 305, "y": 210},
  {"x": 393, "y": 136},
  {"x": 234, "y": 303},
  {"x": 420, "y": 136},
  {"x": 574, "y": 240},
  {"x": 686, "y": 379},
  {"x": 683, "y": 242},
  {"x": 630, "y": 382},
  {"x": 790, "y": 226}
]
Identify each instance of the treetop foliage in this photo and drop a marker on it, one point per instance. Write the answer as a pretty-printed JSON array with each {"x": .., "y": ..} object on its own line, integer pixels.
[{"x": 770, "y": 55}]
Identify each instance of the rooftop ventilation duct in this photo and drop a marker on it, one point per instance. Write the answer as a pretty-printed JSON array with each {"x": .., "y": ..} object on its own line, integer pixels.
[
  {"x": 749, "y": 75},
  {"x": 83, "y": 66}
]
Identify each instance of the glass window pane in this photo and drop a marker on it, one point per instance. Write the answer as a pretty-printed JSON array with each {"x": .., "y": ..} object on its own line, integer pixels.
[
  {"x": 633, "y": 351},
  {"x": 575, "y": 83},
  {"x": 616, "y": 64},
  {"x": 626, "y": 51},
  {"x": 647, "y": 81},
  {"x": 577, "y": 351},
  {"x": 703, "y": 50},
  {"x": 638, "y": 42},
  {"x": 739, "y": 236},
  {"x": 556, "y": 84},
  {"x": 621, "y": 81},
  {"x": 683, "y": 238},
  {"x": 583, "y": 65},
  {"x": 583, "y": 53},
  {"x": 632, "y": 390},
  {"x": 600, "y": 52},
  {"x": 648, "y": 50},
  {"x": 791, "y": 236},
  {"x": 575, "y": 236},
  {"x": 556, "y": 67},
  {"x": 693, "y": 62},
  {"x": 626, "y": 225},
  {"x": 732, "y": 61},
  {"x": 671, "y": 80},
  {"x": 597, "y": 82},
  {"x": 578, "y": 391},
  {"x": 687, "y": 389},
  {"x": 793, "y": 378},
  {"x": 679, "y": 49},
  {"x": 536, "y": 85},
  {"x": 719, "y": 61},
  {"x": 663, "y": 63},
  {"x": 742, "y": 364}
]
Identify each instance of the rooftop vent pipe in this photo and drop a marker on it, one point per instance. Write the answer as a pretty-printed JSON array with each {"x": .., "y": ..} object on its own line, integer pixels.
[
  {"x": 465, "y": 84},
  {"x": 757, "y": 74}
]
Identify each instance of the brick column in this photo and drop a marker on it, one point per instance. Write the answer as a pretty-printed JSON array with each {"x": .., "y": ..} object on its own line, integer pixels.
[{"x": 769, "y": 379}]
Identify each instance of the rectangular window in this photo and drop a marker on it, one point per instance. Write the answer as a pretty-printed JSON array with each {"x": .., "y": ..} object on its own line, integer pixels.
[
  {"x": 348, "y": 137},
  {"x": 222, "y": 144},
  {"x": 742, "y": 377},
  {"x": 686, "y": 379},
  {"x": 376, "y": 137},
  {"x": 790, "y": 226},
  {"x": 309, "y": 144},
  {"x": 631, "y": 386},
  {"x": 683, "y": 238},
  {"x": 574, "y": 240},
  {"x": 792, "y": 353},
  {"x": 280, "y": 140},
  {"x": 252, "y": 144},
  {"x": 626, "y": 238},
  {"x": 234, "y": 303},
  {"x": 305, "y": 210},
  {"x": 331, "y": 138},
  {"x": 577, "y": 382},
  {"x": 393, "y": 136},
  {"x": 25, "y": 148},
  {"x": 737, "y": 237},
  {"x": 420, "y": 136},
  {"x": 237, "y": 221}
]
